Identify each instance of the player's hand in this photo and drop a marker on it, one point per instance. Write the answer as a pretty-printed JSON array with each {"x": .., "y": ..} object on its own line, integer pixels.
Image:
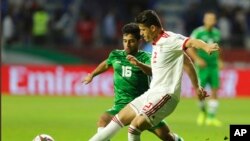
[
  {"x": 212, "y": 48},
  {"x": 221, "y": 64},
  {"x": 132, "y": 60},
  {"x": 87, "y": 79},
  {"x": 201, "y": 93}
]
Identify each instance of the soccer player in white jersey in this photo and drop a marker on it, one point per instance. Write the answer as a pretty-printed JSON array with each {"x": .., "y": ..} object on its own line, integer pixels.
[{"x": 164, "y": 93}]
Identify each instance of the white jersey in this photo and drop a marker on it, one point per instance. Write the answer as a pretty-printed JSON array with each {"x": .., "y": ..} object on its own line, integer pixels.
[{"x": 167, "y": 63}]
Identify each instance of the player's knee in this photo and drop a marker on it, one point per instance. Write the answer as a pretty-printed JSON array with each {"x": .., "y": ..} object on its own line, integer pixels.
[
  {"x": 141, "y": 123},
  {"x": 126, "y": 115},
  {"x": 104, "y": 120},
  {"x": 101, "y": 123}
]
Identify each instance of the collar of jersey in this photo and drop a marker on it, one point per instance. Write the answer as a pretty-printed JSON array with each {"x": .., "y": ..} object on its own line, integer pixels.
[
  {"x": 158, "y": 38},
  {"x": 125, "y": 53}
]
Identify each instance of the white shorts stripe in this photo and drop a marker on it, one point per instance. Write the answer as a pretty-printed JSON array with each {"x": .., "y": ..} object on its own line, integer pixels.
[{"x": 158, "y": 105}]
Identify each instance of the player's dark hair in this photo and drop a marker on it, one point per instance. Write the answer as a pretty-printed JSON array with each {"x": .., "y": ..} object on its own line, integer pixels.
[
  {"x": 210, "y": 12},
  {"x": 132, "y": 28},
  {"x": 148, "y": 18}
]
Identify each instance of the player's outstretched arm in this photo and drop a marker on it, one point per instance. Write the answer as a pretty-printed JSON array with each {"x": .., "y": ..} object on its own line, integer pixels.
[
  {"x": 102, "y": 67},
  {"x": 144, "y": 67},
  {"x": 199, "y": 44},
  {"x": 190, "y": 70},
  {"x": 198, "y": 60}
]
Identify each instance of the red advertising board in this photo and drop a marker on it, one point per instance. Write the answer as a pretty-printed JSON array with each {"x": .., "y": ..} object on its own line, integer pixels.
[
  {"x": 53, "y": 80},
  {"x": 66, "y": 80}
]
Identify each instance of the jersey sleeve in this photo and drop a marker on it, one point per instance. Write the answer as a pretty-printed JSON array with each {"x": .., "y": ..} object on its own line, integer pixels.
[
  {"x": 110, "y": 58},
  {"x": 180, "y": 42},
  {"x": 194, "y": 34}
]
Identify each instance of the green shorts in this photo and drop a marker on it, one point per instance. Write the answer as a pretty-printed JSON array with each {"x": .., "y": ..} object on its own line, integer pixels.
[
  {"x": 117, "y": 108},
  {"x": 210, "y": 76}
]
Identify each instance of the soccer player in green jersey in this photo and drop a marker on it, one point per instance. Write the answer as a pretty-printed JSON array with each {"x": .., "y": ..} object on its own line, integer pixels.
[
  {"x": 208, "y": 68},
  {"x": 130, "y": 81}
]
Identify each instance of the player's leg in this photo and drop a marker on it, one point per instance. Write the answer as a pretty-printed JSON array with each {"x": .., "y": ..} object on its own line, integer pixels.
[
  {"x": 213, "y": 102},
  {"x": 107, "y": 116},
  {"x": 155, "y": 109},
  {"x": 203, "y": 75},
  {"x": 103, "y": 121},
  {"x": 162, "y": 131},
  {"x": 138, "y": 124},
  {"x": 124, "y": 117}
]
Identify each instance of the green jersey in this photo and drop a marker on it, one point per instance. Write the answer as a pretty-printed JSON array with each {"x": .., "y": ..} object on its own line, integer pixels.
[
  {"x": 129, "y": 80},
  {"x": 212, "y": 36}
]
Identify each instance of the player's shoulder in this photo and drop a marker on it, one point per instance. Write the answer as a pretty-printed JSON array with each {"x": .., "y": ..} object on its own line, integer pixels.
[
  {"x": 173, "y": 36},
  {"x": 197, "y": 32},
  {"x": 199, "y": 29},
  {"x": 170, "y": 33},
  {"x": 216, "y": 30}
]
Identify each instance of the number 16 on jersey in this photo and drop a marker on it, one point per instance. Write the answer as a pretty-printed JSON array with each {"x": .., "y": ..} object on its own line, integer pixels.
[{"x": 126, "y": 71}]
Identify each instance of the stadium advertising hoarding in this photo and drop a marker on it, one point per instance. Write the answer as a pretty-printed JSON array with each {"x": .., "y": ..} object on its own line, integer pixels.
[
  {"x": 66, "y": 81},
  {"x": 53, "y": 80}
]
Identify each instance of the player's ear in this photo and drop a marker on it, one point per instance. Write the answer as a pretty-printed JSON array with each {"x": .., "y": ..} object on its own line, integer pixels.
[{"x": 152, "y": 27}]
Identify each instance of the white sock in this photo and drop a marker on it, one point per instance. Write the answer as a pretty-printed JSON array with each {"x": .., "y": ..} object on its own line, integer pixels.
[
  {"x": 212, "y": 107},
  {"x": 133, "y": 133},
  {"x": 109, "y": 131},
  {"x": 99, "y": 129}
]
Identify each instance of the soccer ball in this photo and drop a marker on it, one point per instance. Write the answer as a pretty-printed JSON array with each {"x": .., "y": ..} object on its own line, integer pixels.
[{"x": 43, "y": 137}]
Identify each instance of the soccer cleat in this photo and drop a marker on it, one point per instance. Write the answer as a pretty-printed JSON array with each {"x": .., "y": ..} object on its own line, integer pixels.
[
  {"x": 178, "y": 138},
  {"x": 209, "y": 122},
  {"x": 216, "y": 122},
  {"x": 213, "y": 122},
  {"x": 201, "y": 118}
]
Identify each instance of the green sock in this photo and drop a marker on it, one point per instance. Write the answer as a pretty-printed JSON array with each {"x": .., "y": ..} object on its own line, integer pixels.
[{"x": 202, "y": 105}]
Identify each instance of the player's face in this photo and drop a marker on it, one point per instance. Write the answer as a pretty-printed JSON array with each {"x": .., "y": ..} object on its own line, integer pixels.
[
  {"x": 130, "y": 43},
  {"x": 146, "y": 33},
  {"x": 209, "y": 19}
]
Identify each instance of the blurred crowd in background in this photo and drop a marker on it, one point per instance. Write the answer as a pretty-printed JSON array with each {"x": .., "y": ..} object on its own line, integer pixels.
[{"x": 97, "y": 23}]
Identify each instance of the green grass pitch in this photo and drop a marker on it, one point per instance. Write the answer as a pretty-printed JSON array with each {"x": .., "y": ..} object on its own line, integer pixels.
[{"x": 74, "y": 118}]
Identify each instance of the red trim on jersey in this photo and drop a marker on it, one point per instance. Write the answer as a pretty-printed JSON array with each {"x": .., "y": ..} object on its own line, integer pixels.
[
  {"x": 162, "y": 34},
  {"x": 184, "y": 44}
]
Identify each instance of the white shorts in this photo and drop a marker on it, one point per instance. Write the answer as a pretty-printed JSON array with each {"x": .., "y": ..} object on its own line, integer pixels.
[{"x": 154, "y": 105}]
